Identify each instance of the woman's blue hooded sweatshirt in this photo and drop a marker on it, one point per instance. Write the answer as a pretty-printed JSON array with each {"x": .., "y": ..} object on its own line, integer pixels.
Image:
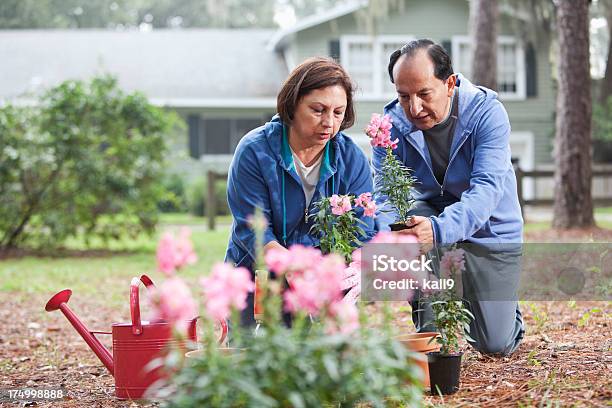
[{"x": 262, "y": 174}]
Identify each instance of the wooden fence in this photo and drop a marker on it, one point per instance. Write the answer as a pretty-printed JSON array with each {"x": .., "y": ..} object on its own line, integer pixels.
[
  {"x": 535, "y": 174},
  {"x": 210, "y": 198},
  {"x": 521, "y": 175}
]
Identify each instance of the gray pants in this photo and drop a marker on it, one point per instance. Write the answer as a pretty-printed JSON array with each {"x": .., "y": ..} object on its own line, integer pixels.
[{"x": 490, "y": 282}]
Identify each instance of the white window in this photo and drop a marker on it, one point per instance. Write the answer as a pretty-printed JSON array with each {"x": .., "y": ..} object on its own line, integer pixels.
[
  {"x": 366, "y": 59},
  {"x": 510, "y": 65}
]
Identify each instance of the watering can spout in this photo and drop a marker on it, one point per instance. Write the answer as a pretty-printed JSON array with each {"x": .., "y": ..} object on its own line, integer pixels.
[{"x": 60, "y": 301}]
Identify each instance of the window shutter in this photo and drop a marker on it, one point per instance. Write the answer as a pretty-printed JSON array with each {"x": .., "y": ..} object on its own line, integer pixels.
[
  {"x": 334, "y": 49},
  {"x": 193, "y": 123},
  {"x": 217, "y": 136},
  {"x": 448, "y": 47},
  {"x": 531, "y": 71}
]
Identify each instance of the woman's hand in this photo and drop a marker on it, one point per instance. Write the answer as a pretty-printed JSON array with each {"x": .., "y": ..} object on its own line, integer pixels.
[{"x": 273, "y": 245}]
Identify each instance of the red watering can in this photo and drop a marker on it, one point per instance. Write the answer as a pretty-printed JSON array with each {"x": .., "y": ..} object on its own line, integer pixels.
[{"x": 135, "y": 344}]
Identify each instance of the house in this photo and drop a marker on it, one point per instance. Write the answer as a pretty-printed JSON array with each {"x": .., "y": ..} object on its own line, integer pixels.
[{"x": 224, "y": 82}]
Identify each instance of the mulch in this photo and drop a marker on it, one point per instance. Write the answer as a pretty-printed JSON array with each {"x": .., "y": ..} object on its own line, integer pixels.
[{"x": 564, "y": 359}]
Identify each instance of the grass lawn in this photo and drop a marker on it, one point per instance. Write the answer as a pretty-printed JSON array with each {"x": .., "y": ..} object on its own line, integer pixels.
[
  {"x": 603, "y": 210},
  {"x": 109, "y": 271},
  {"x": 545, "y": 225}
]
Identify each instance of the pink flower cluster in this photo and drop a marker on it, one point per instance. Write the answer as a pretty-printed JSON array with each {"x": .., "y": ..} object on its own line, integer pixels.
[
  {"x": 227, "y": 287},
  {"x": 409, "y": 251},
  {"x": 452, "y": 261},
  {"x": 175, "y": 252},
  {"x": 346, "y": 318},
  {"x": 315, "y": 284},
  {"x": 379, "y": 131},
  {"x": 340, "y": 204},
  {"x": 369, "y": 206},
  {"x": 317, "y": 287},
  {"x": 173, "y": 303}
]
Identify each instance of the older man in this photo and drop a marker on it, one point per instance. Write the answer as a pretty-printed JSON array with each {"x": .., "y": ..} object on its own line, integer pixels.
[{"x": 454, "y": 136}]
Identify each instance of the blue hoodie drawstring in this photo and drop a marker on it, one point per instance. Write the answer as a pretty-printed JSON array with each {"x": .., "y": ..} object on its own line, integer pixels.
[
  {"x": 283, "y": 196},
  {"x": 284, "y": 210},
  {"x": 283, "y": 201}
]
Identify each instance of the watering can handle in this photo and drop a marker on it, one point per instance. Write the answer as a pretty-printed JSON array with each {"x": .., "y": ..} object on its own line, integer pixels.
[
  {"x": 224, "y": 331},
  {"x": 147, "y": 281},
  {"x": 135, "y": 307}
]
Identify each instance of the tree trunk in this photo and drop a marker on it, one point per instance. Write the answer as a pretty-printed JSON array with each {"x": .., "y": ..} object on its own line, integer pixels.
[
  {"x": 573, "y": 202},
  {"x": 483, "y": 33}
]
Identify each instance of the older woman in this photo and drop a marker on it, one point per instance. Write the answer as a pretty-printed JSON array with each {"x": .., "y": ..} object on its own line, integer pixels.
[{"x": 301, "y": 155}]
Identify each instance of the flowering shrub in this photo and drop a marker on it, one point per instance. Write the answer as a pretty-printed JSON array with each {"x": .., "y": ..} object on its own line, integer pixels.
[
  {"x": 337, "y": 225},
  {"x": 394, "y": 180},
  {"x": 326, "y": 358},
  {"x": 450, "y": 316}
]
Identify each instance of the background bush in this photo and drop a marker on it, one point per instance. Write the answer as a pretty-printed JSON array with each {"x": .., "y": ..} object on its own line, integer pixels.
[
  {"x": 87, "y": 159},
  {"x": 196, "y": 195},
  {"x": 174, "y": 197}
]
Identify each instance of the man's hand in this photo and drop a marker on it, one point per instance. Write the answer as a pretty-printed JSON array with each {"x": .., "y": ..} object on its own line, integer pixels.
[{"x": 422, "y": 228}]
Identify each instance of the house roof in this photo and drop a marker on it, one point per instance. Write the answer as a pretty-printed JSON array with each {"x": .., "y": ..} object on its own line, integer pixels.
[
  {"x": 172, "y": 67},
  {"x": 282, "y": 37}
]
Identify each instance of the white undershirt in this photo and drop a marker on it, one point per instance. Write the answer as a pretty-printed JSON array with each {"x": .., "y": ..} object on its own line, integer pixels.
[{"x": 308, "y": 174}]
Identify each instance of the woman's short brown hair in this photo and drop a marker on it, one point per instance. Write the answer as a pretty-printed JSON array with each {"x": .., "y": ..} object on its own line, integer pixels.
[{"x": 314, "y": 73}]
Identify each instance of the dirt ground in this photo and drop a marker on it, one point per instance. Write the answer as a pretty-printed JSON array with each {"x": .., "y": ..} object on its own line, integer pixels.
[{"x": 564, "y": 360}]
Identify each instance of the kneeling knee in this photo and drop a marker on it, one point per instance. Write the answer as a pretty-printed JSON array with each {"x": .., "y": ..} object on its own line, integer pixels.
[{"x": 494, "y": 347}]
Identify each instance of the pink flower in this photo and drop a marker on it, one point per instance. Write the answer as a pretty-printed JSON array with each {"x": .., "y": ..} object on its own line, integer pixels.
[
  {"x": 227, "y": 287},
  {"x": 172, "y": 301},
  {"x": 296, "y": 258},
  {"x": 403, "y": 246},
  {"x": 386, "y": 237},
  {"x": 175, "y": 252},
  {"x": 278, "y": 260},
  {"x": 185, "y": 254},
  {"x": 379, "y": 131},
  {"x": 365, "y": 201},
  {"x": 452, "y": 261},
  {"x": 316, "y": 287},
  {"x": 370, "y": 209},
  {"x": 340, "y": 204},
  {"x": 345, "y": 318},
  {"x": 165, "y": 254}
]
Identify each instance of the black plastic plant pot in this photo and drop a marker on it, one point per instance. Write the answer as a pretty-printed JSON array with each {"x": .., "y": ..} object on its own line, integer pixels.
[
  {"x": 444, "y": 372},
  {"x": 398, "y": 226}
]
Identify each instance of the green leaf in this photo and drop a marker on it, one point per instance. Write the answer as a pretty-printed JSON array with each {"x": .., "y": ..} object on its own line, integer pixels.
[
  {"x": 331, "y": 367},
  {"x": 296, "y": 400}
]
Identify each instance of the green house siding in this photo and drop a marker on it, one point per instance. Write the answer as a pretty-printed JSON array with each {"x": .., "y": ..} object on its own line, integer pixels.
[{"x": 441, "y": 21}]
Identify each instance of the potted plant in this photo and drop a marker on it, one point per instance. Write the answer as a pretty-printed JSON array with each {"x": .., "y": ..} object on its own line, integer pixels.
[
  {"x": 327, "y": 357},
  {"x": 394, "y": 180},
  {"x": 422, "y": 344},
  {"x": 337, "y": 224},
  {"x": 452, "y": 319}
]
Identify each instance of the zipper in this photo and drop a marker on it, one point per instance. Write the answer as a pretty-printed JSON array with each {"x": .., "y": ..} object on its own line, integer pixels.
[
  {"x": 427, "y": 163},
  {"x": 451, "y": 160}
]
